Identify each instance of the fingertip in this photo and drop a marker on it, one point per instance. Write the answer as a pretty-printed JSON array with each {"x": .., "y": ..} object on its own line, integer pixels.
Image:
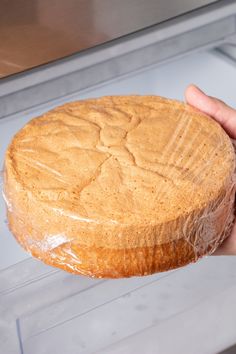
[
  {"x": 188, "y": 91},
  {"x": 192, "y": 92},
  {"x": 191, "y": 87},
  {"x": 218, "y": 110}
]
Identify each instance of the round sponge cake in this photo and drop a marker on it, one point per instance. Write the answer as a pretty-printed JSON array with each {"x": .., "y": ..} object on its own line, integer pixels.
[{"x": 120, "y": 186}]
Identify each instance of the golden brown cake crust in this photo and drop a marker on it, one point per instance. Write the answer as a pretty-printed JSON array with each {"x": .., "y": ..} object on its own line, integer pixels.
[{"x": 120, "y": 186}]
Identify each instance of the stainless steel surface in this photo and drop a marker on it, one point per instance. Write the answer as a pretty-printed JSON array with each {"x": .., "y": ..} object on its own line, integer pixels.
[{"x": 35, "y": 32}]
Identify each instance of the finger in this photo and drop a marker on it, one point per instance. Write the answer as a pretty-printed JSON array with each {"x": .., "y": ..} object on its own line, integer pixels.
[
  {"x": 228, "y": 247},
  {"x": 217, "y": 109}
]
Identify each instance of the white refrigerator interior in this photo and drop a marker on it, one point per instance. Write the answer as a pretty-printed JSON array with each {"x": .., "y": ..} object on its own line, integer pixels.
[{"x": 188, "y": 311}]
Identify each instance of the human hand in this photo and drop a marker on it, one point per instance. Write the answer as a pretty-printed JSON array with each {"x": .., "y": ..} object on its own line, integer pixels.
[{"x": 226, "y": 117}]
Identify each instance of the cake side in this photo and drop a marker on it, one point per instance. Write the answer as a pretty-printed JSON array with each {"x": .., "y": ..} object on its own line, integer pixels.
[{"x": 103, "y": 262}]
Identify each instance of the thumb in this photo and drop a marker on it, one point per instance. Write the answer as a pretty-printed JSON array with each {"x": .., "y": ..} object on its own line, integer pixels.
[{"x": 223, "y": 114}]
